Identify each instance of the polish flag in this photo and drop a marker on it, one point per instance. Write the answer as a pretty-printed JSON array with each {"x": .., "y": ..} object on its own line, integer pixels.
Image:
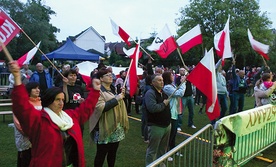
[
  {"x": 2, "y": 20},
  {"x": 8, "y": 28},
  {"x": 190, "y": 39},
  {"x": 222, "y": 43},
  {"x": 259, "y": 47},
  {"x": 206, "y": 83},
  {"x": 130, "y": 52},
  {"x": 133, "y": 78},
  {"x": 164, "y": 43},
  {"x": 25, "y": 59},
  {"x": 117, "y": 30}
]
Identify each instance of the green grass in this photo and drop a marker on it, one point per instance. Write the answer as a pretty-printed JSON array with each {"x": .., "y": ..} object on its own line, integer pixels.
[{"x": 131, "y": 152}]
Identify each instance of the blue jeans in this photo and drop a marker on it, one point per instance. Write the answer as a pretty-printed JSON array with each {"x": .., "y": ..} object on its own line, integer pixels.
[
  {"x": 187, "y": 102},
  {"x": 238, "y": 99},
  {"x": 231, "y": 107},
  {"x": 222, "y": 98}
]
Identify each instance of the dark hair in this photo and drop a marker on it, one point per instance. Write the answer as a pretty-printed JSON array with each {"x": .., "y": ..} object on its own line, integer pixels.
[
  {"x": 49, "y": 96},
  {"x": 31, "y": 85},
  {"x": 167, "y": 77},
  {"x": 121, "y": 72},
  {"x": 266, "y": 76},
  {"x": 145, "y": 74},
  {"x": 70, "y": 71},
  {"x": 102, "y": 72}
]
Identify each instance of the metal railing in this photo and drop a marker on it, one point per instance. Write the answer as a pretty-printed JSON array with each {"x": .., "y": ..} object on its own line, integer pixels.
[
  {"x": 4, "y": 78},
  {"x": 197, "y": 151},
  {"x": 250, "y": 145}
]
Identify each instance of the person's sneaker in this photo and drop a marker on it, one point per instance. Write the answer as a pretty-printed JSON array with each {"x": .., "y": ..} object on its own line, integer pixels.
[
  {"x": 193, "y": 126},
  {"x": 179, "y": 129},
  {"x": 179, "y": 154},
  {"x": 146, "y": 141},
  {"x": 170, "y": 159}
]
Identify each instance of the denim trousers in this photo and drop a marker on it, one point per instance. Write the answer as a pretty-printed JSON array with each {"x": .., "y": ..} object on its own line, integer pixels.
[{"x": 189, "y": 103}]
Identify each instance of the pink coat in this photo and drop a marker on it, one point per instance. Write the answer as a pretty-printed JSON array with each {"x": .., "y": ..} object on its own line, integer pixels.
[{"x": 45, "y": 136}]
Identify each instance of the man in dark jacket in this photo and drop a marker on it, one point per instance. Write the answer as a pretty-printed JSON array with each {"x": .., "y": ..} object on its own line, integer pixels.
[
  {"x": 239, "y": 87},
  {"x": 159, "y": 117}
]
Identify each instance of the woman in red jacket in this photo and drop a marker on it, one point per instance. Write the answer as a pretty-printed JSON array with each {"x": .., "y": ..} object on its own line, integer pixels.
[{"x": 55, "y": 134}]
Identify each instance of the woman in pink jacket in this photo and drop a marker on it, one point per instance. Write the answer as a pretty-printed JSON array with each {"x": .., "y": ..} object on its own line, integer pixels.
[{"x": 55, "y": 134}]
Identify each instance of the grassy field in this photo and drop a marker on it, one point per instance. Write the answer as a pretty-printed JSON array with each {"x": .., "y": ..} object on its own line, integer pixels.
[{"x": 131, "y": 152}]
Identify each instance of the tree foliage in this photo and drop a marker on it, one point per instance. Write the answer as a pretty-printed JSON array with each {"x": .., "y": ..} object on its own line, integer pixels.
[
  {"x": 34, "y": 20},
  {"x": 212, "y": 15}
]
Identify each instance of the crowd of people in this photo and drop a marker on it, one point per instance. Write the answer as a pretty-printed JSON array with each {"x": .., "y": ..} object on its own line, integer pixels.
[{"x": 52, "y": 122}]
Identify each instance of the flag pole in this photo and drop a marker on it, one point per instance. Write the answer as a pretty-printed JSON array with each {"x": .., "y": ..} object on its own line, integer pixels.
[
  {"x": 175, "y": 90},
  {"x": 127, "y": 73},
  {"x": 41, "y": 52},
  {"x": 130, "y": 64},
  {"x": 178, "y": 50},
  {"x": 6, "y": 51},
  {"x": 143, "y": 49},
  {"x": 264, "y": 61}
]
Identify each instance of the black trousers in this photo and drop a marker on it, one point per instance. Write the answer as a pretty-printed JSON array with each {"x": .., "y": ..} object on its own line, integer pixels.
[
  {"x": 103, "y": 150},
  {"x": 24, "y": 158}
]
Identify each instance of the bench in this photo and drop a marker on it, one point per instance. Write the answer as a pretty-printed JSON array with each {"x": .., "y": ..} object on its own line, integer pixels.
[
  {"x": 5, "y": 100},
  {"x": 4, "y": 91},
  {"x": 5, "y": 113},
  {"x": 5, "y": 104}
]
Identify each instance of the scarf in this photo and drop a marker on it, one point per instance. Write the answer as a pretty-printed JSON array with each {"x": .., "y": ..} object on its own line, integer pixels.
[
  {"x": 63, "y": 120},
  {"x": 109, "y": 120},
  {"x": 35, "y": 102},
  {"x": 268, "y": 84}
]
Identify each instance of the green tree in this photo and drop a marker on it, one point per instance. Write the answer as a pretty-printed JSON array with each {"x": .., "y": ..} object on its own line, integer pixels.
[
  {"x": 33, "y": 18},
  {"x": 212, "y": 15}
]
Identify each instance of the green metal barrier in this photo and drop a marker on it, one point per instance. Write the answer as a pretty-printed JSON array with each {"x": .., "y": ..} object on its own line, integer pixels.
[{"x": 242, "y": 136}]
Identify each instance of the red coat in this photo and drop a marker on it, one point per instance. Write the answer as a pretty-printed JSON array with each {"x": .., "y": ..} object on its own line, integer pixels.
[{"x": 45, "y": 136}]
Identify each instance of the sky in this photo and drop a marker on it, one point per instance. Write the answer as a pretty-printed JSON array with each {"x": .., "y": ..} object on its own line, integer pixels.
[{"x": 138, "y": 18}]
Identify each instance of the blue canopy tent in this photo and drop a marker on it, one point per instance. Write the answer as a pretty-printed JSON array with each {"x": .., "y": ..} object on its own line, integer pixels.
[{"x": 69, "y": 51}]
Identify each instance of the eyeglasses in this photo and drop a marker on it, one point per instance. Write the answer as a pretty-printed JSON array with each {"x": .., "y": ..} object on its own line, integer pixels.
[{"x": 107, "y": 75}]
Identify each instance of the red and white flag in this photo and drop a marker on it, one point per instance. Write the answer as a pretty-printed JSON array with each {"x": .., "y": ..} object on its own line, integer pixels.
[
  {"x": 25, "y": 59},
  {"x": 117, "y": 30},
  {"x": 259, "y": 47},
  {"x": 190, "y": 39},
  {"x": 132, "y": 77},
  {"x": 203, "y": 76},
  {"x": 222, "y": 43},
  {"x": 8, "y": 28},
  {"x": 130, "y": 52},
  {"x": 164, "y": 43}
]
